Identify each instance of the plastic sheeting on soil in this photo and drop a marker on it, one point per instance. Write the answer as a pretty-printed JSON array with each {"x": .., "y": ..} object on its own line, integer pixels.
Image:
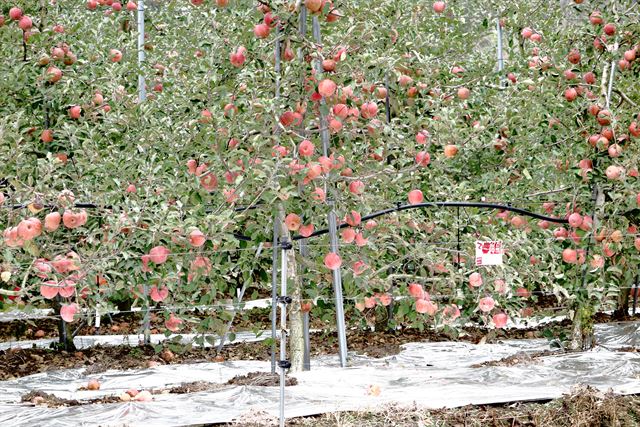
[{"x": 432, "y": 375}]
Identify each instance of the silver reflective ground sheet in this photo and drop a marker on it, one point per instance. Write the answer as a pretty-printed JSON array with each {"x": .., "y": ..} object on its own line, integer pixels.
[{"x": 432, "y": 375}]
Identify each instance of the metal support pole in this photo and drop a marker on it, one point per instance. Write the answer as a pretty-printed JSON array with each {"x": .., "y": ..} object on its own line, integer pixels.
[
  {"x": 613, "y": 70},
  {"x": 274, "y": 292},
  {"x": 142, "y": 92},
  {"x": 500, "y": 57},
  {"x": 635, "y": 293},
  {"x": 147, "y": 317},
  {"x": 283, "y": 326},
  {"x": 333, "y": 229},
  {"x": 307, "y": 342},
  {"x": 387, "y": 99}
]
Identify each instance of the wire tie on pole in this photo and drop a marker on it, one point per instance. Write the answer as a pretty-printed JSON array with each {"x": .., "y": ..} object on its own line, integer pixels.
[
  {"x": 284, "y": 364},
  {"x": 285, "y": 244},
  {"x": 284, "y": 300}
]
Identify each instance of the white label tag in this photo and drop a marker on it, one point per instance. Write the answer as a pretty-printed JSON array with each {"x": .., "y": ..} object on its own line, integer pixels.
[{"x": 489, "y": 252}]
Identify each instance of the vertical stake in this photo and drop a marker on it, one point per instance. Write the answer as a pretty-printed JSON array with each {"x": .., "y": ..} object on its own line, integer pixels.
[
  {"x": 283, "y": 325},
  {"x": 333, "y": 233},
  {"x": 500, "y": 57},
  {"x": 387, "y": 102},
  {"x": 142, "y": 92},
  {"x": 147, "y": 317},
  {"x": 634, "y": 289},
  {"x": 274, "y": 292},
  {"x": 307, "y": 343}
]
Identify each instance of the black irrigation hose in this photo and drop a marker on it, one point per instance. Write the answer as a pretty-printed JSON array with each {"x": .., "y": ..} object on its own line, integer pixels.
[{"x": 444, "y": 205}]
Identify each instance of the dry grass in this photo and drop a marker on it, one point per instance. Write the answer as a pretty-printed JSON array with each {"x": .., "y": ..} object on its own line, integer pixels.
[{"x": 584, "y": 407}]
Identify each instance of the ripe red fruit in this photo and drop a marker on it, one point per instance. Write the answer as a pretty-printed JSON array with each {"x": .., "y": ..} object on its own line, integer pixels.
[
  {"x": 450, "y": 150},
  {"x": 261, "y": 31},
  {"x": 613, "y": 172},
  {"x": 614, "y": 150},
  {"x": 25, "y": 23},
  {"x": 630, "y": 54},
  {"x": 159, "y": 254},
  {"x": 332, "y": 261},
  {"x": 327, "y": 88},
  {"x": 604, "y": 117},
  {"x": 609, "y": 29},
  {"x": 237, "y": 58},
  {"x": 222, "y": 3},
  {"x": 623, "y": 64},
  {"x": 117, "y": 6},
  {"x": 54, "y": 74},
  {"x": 463, "y": 93},
  {"x": 293, "y": 222},
  {"x": 416, "y": 290},
  {"x": 570, "y": 256},
  {"x": 356, "y": 187},
  {"x": 570, "y": 94},
  {"x": 574, "y": 56},
  {"x": 575, "y": 220},
  {"x": 439, "y": 6},
  {"x": 526, "y": 32},
  {"x": 595, "y": 18},
  {"x": 518, "y": 222},
  {"x": 369, "y": 110},
  {"x": 634, "y": 129},
  {"x": 197, "y": 238},
  {"x": 341, "y": 111},
  {"x": 46, "y": 136},
  {"x": 92, "y": 4},
  {"x": 306, "y": 148},
  {"x": 313, "y": 5},
  {"x": 426, "y": 306},
  {"x": 15, "y": 13},
  {"x": 353, "y": 218},
  {"x": 404, "y": 80},
  {"x": 75, "y": 112},
  {"x": 475, "y": 280},
  {"x": 348, "y": 235},
  {"x": 329, "y": 65},
  {"x": 115, "y": 55},
  {"x": 423, "y": 158},
  {"x": 415, "y": 197},
  {"x": 422, "y": 137},
  {"x": 500, "y": 320},
  {"x": 52, "y": 221},
  {"x": 589, "y": 78},
  {"x": 131, "y": 6}
]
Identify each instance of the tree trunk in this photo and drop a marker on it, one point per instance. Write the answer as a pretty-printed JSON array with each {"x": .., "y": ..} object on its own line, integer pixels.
[
  {"x": 582, "y": 334},
  {"x": 65, "y": 331},
  {"x": 622, "y": 309}
]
